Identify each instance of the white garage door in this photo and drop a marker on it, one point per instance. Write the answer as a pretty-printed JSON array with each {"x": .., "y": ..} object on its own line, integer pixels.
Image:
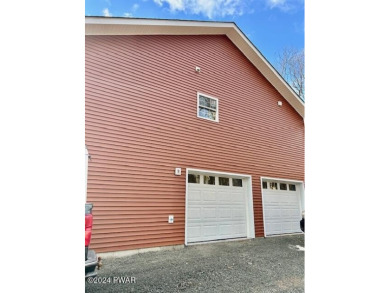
[
  {"x": 216, "y": 208},
  {"x": 282, "y": 208}
]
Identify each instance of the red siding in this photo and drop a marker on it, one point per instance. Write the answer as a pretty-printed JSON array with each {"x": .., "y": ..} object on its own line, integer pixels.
[{"x": 141, "y": 123}]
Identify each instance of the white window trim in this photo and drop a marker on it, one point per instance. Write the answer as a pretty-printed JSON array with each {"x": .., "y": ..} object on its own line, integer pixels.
[{"x": 216, "y": 110}]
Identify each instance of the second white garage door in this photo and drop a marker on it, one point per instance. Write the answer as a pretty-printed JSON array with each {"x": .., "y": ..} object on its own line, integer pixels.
[
  {"x": 216, "y": 208},
  {"x": 282, "y": 207}
]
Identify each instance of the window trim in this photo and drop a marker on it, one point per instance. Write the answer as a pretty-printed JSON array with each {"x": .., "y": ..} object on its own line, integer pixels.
[{"x": 198, "y": 94}]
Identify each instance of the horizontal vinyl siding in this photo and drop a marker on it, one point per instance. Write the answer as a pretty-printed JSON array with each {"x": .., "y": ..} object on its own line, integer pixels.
[{"x": 141, "y": 123}]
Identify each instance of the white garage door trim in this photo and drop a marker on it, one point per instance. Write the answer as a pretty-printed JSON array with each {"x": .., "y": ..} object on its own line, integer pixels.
[
  {"x": 301, "y": 192},
  {"x": 247, "y": 184}
]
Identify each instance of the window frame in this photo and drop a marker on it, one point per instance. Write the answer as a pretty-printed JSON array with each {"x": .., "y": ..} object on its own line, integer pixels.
[
  {"x": 204, "y": 180},
  {"x": 237, "y": 185},
  {"x": 289, "y": 186},
  {"x": 216, "y": 108},
  {"x": 271, "y": 183},
  {"x": 200, "y": 178},
  {"x": 229, "y": 181}
]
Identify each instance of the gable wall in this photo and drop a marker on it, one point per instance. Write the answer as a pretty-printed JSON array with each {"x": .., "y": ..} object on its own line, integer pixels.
[{"x": 141, "y": 123}]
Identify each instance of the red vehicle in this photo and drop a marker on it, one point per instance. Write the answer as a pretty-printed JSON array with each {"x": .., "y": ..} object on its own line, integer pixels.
[{"x": 91, "y": 260}]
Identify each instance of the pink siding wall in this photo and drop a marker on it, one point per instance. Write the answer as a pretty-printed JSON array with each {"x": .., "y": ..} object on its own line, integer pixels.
[{"x": 141, "y": 123}]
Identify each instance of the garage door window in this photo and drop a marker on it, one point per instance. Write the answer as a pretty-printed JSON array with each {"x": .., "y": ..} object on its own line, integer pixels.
[
  {"x": 237, "y": 182},
  {"x": 283, "y": 186},
  {"x": 291, "y": 187},
  {"x": 273, "y": 185},
  {"x": 265, "y": 185},
  {"x": 210, "y": 180},
  {"x": 224, "y": 181},
  {"x": 192, "y": 178}
]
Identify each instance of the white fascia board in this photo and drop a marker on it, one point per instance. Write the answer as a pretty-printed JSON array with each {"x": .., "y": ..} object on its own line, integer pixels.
[
  {"x": 155, "y": 22},
  {"x": 136, "y": 26}
]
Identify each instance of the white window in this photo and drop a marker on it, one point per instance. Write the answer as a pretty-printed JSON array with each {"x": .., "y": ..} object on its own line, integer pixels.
[{"x": 207, "y": 107}]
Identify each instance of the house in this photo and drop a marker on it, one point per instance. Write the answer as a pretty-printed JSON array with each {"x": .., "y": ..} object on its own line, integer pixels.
[{"x": 192, "y": 135}]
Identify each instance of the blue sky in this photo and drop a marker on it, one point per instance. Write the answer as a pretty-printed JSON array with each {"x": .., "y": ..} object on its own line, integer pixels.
[{"x": 271, "y": 25}]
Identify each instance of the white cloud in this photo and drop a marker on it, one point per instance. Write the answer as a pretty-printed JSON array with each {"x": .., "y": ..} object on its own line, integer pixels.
[
  {"x": 284, "y": 5},
  {"x": 106, "y": 12},
  {"x": 274, "y": 3},
  {"x": 133, "y": 9},
  {"x": 210, "y": 8},
  {"x": 174, "y": 4}
]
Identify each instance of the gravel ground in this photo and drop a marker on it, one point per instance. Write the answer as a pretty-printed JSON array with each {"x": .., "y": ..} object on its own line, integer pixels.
[{"x": 273, "y": 264}]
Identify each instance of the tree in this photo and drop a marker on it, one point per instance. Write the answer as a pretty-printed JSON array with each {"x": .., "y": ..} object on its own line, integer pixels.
[{"x": 291, "y": 65}]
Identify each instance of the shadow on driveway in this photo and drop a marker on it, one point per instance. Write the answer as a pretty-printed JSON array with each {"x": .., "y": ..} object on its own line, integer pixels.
[{"x": 274, "y": 264}]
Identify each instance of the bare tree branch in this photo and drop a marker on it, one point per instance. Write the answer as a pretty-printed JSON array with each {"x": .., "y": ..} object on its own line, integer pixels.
[{"x": 291, "y": 65}]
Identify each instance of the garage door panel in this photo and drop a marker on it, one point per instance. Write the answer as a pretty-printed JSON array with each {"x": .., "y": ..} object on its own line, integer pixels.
[
  {"x": 235, "y": 230},
  {"x": 241, "y": 229},
  {"x": 194, "y": 213},
  {"x": 238, "y": 213},
  {"x": 272, "y": 199},
  {"x": 224, "y": 196},
  {"x": 224, "y": 213},
  {"x": 227, "y": 230},
  {"x": 274, "y": 213},
  {"x": 276, "y": 228},
  {"x": 195, "y": 197},
  {"x": 209, "y": 213},
  {"x": 209, "y": 197},
  {"x": 288, "y": 213},
  {"x": 210, "y": 230},
  {"x": 194, "y": 231},
  {"x": 237, "y": 197},
  {"x": 290, "y": 227}
]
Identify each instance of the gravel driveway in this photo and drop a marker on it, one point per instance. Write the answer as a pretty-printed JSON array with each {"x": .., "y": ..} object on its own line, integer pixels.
[{"x": 273, "y": 264}]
